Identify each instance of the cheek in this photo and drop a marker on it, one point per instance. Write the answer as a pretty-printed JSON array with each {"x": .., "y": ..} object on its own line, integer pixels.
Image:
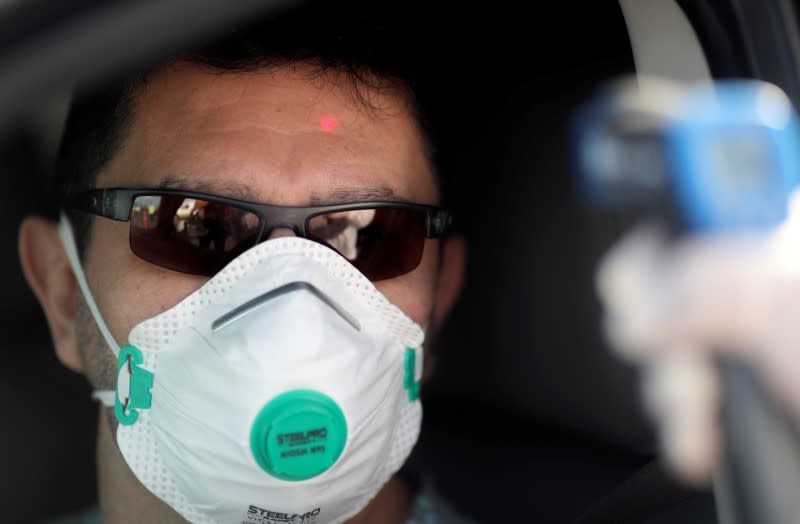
[
  {"x": 126, "y": 288},
  {"x": 413, "y": 293}
]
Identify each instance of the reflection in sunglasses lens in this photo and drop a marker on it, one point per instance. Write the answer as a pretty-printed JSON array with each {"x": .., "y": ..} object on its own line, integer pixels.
[
  {"x": 380, "y": 242},
  {"x": 341, "y": 230},
  {"x": 190, "y": 235}
]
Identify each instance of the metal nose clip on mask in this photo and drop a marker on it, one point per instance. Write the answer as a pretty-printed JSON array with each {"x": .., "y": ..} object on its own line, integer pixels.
[{"x": 285, "y": 389}]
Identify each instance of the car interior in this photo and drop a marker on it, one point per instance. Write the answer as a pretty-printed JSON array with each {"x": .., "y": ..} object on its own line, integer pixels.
[{"x": 528, "y": 415}]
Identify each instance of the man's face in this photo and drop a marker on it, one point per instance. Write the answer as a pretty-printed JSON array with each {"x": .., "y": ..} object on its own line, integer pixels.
[{"x": 277, "y": 136}]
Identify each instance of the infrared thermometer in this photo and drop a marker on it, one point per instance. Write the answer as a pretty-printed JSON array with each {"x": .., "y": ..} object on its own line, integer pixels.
[{"x": 723, "y": 157}]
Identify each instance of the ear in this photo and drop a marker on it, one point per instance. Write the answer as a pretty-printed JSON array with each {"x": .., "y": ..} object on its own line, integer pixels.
[
  {"x": 49, "y": 274},
  {"x": 451, "y": 277}
]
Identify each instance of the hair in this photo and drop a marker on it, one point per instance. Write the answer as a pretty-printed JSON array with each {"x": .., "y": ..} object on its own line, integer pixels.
[{"x": 356, "y": 48}]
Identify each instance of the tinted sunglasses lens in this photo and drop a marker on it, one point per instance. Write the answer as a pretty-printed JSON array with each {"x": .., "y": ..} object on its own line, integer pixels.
[
  {"x": 380, "y": 242},
  {"x": 189, "y": 235}
]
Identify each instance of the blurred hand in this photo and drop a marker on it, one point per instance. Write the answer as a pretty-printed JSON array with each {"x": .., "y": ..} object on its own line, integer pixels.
[{"x": 673, "y": 307}]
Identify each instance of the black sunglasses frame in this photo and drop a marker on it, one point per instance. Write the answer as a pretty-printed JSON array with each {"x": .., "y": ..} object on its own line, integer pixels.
[{"x": 117, "y": 204}]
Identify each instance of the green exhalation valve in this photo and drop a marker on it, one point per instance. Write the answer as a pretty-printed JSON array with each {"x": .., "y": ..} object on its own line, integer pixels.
[{"x": 298, "y": 435}]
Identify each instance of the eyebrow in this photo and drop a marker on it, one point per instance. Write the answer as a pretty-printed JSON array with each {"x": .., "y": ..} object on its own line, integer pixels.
[
  {"x": 239, "y": 191},
  {"x": 362, "y": 194}
]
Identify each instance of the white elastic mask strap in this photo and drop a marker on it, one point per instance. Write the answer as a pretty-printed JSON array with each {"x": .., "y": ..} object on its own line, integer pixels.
[
  {"x": 419, "y": 364},
  {"x": 421, "y": 353},
  {"x": 106, "y": 397},
  {"x": 68, "y": 239}
]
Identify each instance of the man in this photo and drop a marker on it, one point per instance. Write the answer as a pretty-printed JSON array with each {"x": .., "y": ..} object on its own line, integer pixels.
[{"x": 289, "y": 114}]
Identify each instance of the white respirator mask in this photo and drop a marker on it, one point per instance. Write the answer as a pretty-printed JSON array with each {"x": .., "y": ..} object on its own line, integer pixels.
[{"x": 284, "y": 390}]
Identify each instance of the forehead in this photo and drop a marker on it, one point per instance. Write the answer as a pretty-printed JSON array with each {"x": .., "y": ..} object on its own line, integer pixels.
[{"x": 282, "y": 135}]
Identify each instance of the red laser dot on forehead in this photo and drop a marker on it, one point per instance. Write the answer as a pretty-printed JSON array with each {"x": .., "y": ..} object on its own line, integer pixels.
[{"x": 327, "y": 123}]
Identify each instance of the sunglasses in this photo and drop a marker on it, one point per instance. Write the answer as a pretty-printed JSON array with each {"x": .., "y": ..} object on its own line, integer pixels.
[{"x": 199, "y": 234}]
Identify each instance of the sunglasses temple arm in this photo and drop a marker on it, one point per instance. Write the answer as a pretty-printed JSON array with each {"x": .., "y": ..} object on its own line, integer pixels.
[{"x": 110, "y": 203}]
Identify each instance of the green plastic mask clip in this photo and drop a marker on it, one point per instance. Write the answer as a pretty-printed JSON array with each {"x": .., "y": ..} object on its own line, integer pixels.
[
  {"x": 410, "y": 367},
  {"x": 139, "y": 385}
]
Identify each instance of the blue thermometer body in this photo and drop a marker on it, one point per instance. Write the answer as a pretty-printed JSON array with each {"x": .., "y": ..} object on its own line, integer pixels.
[
  {"x": 734, "y": 155},
  {"x": 723, "y": 157}
]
